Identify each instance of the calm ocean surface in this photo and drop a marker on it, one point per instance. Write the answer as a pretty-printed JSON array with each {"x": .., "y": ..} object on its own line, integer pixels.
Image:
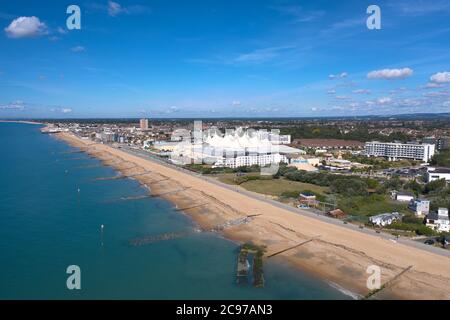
[{"x": 47, "y": 225}]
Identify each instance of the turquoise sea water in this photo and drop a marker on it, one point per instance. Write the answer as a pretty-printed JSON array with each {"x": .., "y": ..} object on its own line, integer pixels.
[{"x": 47, "y": 225}]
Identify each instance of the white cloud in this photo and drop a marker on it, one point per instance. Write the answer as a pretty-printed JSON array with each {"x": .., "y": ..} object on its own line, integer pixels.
[
  {"x": 78, "y": 49},
  {"x": 115, "y": 8},
  {"x": 262, "y": 55},
  {"x": 236, "y": 103},
  {"x": 361, "y": 91},
  {"x": 61, "y": 30},
  {"x": 390, "y": 73},
  {"x": 432, "y": 85},
  {"x": 332, "y": 91},
  {"x": 298, "y": 13},
  {"x": 26, "y": 27},
  {"x": 441, "y": 77},
  {"x": 61, "y": 110},
  {"x": 15, "y": 105},
  {"x": 384, "y": 100},
  {"x": 338, "y": 76}
]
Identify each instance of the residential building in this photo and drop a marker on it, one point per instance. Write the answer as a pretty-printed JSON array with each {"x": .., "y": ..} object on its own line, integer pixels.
[
  {"x": 329, "y": 143},
  {"x": 144, "y": 124},
  {"x": 420, "y": 207},
  {"x": 385, "y": 219},
  {"x": 307, "y": 198},
  {"x": 109, "y": 137},
  {"x": 441, "y": 143},
  {"x": 306, "y": 164},
  {"x": 439, "y": 220},
  {"x": 337, "y": 213},
  {"x": 394, "y": 151},
  {"x": 404, "y": 196},
  {"x": 438, "y": 173}
]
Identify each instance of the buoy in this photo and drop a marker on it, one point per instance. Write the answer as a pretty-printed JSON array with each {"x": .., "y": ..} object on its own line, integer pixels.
[
  {"x": 78, "y": 190},
  {"x": 101, "y": 234}
]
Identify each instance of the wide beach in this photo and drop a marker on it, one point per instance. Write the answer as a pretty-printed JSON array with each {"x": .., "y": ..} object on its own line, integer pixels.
[{"x": 334, "y": 253}]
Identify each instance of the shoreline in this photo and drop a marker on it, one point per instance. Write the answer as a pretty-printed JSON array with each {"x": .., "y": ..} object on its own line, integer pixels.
[
  {"x": 336, "y": 255},
  {"x": 21, "y": 121}
]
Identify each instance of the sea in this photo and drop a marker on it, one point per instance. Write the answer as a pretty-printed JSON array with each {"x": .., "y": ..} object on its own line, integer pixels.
[{"x": 51, "y": 215}]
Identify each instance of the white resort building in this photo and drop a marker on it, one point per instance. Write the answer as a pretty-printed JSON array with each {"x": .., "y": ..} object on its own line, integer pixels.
[
  {"x": 394, "y": 151},
  {"x": 235, "y": 149}
]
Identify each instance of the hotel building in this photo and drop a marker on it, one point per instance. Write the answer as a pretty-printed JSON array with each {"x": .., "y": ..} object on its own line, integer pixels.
[{"x": 394, "y": 151}]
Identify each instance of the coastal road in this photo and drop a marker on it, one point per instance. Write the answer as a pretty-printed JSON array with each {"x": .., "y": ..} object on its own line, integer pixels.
[{"x": 386, "y": 236}]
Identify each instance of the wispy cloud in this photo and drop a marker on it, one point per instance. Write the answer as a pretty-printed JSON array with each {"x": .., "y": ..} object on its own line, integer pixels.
[
  {"x": 341, "y": 75},
  {"x": 261, "y": 55},
  {"x": 114, "y": 8},
  {"x": 361, "y": 91},
  {"x": 78, "y": 49},
  {"x": 420, "y": 7},
  {"x": 15, "y": 105},
  {"x": 257, "y": 56},
  {"x": 298, "y": 13}
]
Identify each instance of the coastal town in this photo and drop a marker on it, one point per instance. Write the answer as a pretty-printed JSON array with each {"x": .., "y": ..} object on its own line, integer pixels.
[
  {"x": 226, "y": 158},
  {"x": 398, "y": 184}
]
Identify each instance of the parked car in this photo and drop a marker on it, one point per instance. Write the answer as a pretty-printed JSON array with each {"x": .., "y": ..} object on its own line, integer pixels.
[{"x": 429, "y": 242}]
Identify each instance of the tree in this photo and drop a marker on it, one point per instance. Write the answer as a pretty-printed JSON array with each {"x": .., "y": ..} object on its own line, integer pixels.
[{"x": 435, "y": 186}]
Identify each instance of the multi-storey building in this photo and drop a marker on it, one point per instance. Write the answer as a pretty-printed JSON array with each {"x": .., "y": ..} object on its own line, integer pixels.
[
  {"x": 438, "y": 173},
  {"x": 441, "y": 143},
  {"x": 394, "y": 151},
  {"x": 144, "y": 124}
]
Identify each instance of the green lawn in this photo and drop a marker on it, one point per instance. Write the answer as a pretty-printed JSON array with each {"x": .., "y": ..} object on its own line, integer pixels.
[
  {"x": 276, "y": 187},
  {"x": 273, "y": 187},
  {"x": 370, "y": 205}
]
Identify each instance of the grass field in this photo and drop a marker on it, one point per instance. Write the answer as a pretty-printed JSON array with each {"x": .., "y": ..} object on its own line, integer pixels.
[
  {"x": 273, "y": 187},
  {"x": 370, "y": 205}
]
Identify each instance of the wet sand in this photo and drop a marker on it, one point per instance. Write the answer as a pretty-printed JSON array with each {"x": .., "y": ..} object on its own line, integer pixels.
[{"x": 336, "y": 254}]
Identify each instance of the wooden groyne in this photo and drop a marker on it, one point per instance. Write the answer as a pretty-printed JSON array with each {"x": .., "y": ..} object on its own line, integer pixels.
[
  {"x": 168, "y": 192},
  {"x": 235, "y": 222},
  {"x": 79, "y": 158},
  {"x": 385, "y": 285},
  {"x": 74, "y": 151},
  {"x": 158, "y": 181},
  {"x": 90, "y": 166},
  {"x": 134, "y": 198},
  {"x": 254, "y": 253},
  {"x": 145, "y": 240},
  {"x": 290, "y": 248},
  {"x": 110, "y": 178},
  {"x": 191, "y": 207}
]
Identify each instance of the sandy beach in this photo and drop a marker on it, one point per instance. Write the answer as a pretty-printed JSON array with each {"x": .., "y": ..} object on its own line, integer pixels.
[{"x": 333, "y": 253}]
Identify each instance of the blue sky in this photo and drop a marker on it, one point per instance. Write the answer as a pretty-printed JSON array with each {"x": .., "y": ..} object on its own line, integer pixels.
[{"x": 233, "y": 58}]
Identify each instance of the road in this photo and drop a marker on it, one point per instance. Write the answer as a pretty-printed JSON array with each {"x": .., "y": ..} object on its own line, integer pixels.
[{"x": 419, "y": 245}]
